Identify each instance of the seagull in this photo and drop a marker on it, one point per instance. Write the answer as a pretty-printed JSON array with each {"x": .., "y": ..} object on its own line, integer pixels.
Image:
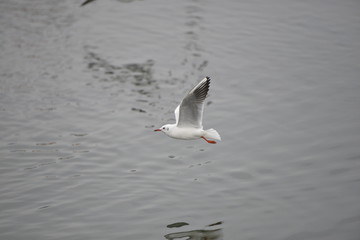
[{"x": 189, "y": 115}]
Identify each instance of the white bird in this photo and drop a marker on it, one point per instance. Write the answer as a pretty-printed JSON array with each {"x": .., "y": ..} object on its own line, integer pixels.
[{"x": 189, "y": 115}]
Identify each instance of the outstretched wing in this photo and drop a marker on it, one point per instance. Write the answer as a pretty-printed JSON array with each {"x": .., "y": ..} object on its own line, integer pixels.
[
  {"x": 177, "y": 114},
  {"x": 190, "y": 111}
]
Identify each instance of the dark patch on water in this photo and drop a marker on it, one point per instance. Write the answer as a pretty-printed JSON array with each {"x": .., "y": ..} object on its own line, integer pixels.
[
  {"x": 213, "y": 234},
  {"x": 138, "y": 110},
  {"x": 45, "y": 144},
  {"x": 79, "y": 134},
  {"x": 177, "y": 225}
]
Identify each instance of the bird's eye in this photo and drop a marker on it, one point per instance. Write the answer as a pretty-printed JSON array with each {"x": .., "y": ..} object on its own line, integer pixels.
[{"x": 164, "y": 128}]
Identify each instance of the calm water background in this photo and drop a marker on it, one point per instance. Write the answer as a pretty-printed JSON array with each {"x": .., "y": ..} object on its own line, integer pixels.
[{"x": 82, "y": 88}]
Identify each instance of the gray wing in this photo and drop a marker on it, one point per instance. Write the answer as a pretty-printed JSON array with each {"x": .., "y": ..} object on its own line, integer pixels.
[{"x": 190, "y": 112}]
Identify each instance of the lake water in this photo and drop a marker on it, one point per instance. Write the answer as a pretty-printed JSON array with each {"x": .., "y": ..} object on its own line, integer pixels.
[{"x": 82, "y": 89}]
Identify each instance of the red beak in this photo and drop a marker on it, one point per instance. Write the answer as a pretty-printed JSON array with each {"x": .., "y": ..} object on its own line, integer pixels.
[{"x": 157, "y": 130}]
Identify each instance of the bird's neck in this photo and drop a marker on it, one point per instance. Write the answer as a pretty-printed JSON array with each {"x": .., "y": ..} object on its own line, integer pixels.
[
  {"x": 171, "y": 126},
  {"x": 171, "y": 129}
]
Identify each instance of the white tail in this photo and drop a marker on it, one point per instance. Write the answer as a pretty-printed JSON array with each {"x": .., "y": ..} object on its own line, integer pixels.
[{"x": 212, "y": 133}]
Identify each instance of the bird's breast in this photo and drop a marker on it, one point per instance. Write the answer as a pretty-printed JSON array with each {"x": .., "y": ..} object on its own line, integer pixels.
[{"x": 185, "y": 133}]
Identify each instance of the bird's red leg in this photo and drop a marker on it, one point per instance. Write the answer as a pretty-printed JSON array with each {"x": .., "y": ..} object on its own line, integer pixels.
[{"x": 209, "y": 141}]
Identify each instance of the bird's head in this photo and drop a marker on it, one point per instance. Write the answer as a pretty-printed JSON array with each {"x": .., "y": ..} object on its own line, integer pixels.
[{"x": 166, "y": 128}]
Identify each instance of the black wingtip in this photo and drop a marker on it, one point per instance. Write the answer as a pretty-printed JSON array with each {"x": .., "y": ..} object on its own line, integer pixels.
[{"x": 202, "y": 89}]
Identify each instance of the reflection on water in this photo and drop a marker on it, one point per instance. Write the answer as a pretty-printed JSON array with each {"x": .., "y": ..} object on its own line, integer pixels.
[
  {"x": 129, "y": 78},
  {"x": 86, "y": 2},
  {"x": 193, "y": 47},
  {"x": 89, "y": 1},
  {"x": 82, "y": 87},
  {"x": 177, "y": 225},
  {"x": 199, "y": 234},
  {"x": 124, "y": 79},
  {"x": 139, "y": 74}
]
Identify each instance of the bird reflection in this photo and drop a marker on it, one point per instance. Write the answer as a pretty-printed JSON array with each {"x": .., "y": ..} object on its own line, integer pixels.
[
  {"x": 86, "y": 2},
  {"x": 89, "y": 1},
  {"x": 200, "y": 234}
]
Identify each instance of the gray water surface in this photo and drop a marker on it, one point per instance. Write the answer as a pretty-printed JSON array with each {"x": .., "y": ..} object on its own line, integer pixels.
[{"x": 82, "y": 89}]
